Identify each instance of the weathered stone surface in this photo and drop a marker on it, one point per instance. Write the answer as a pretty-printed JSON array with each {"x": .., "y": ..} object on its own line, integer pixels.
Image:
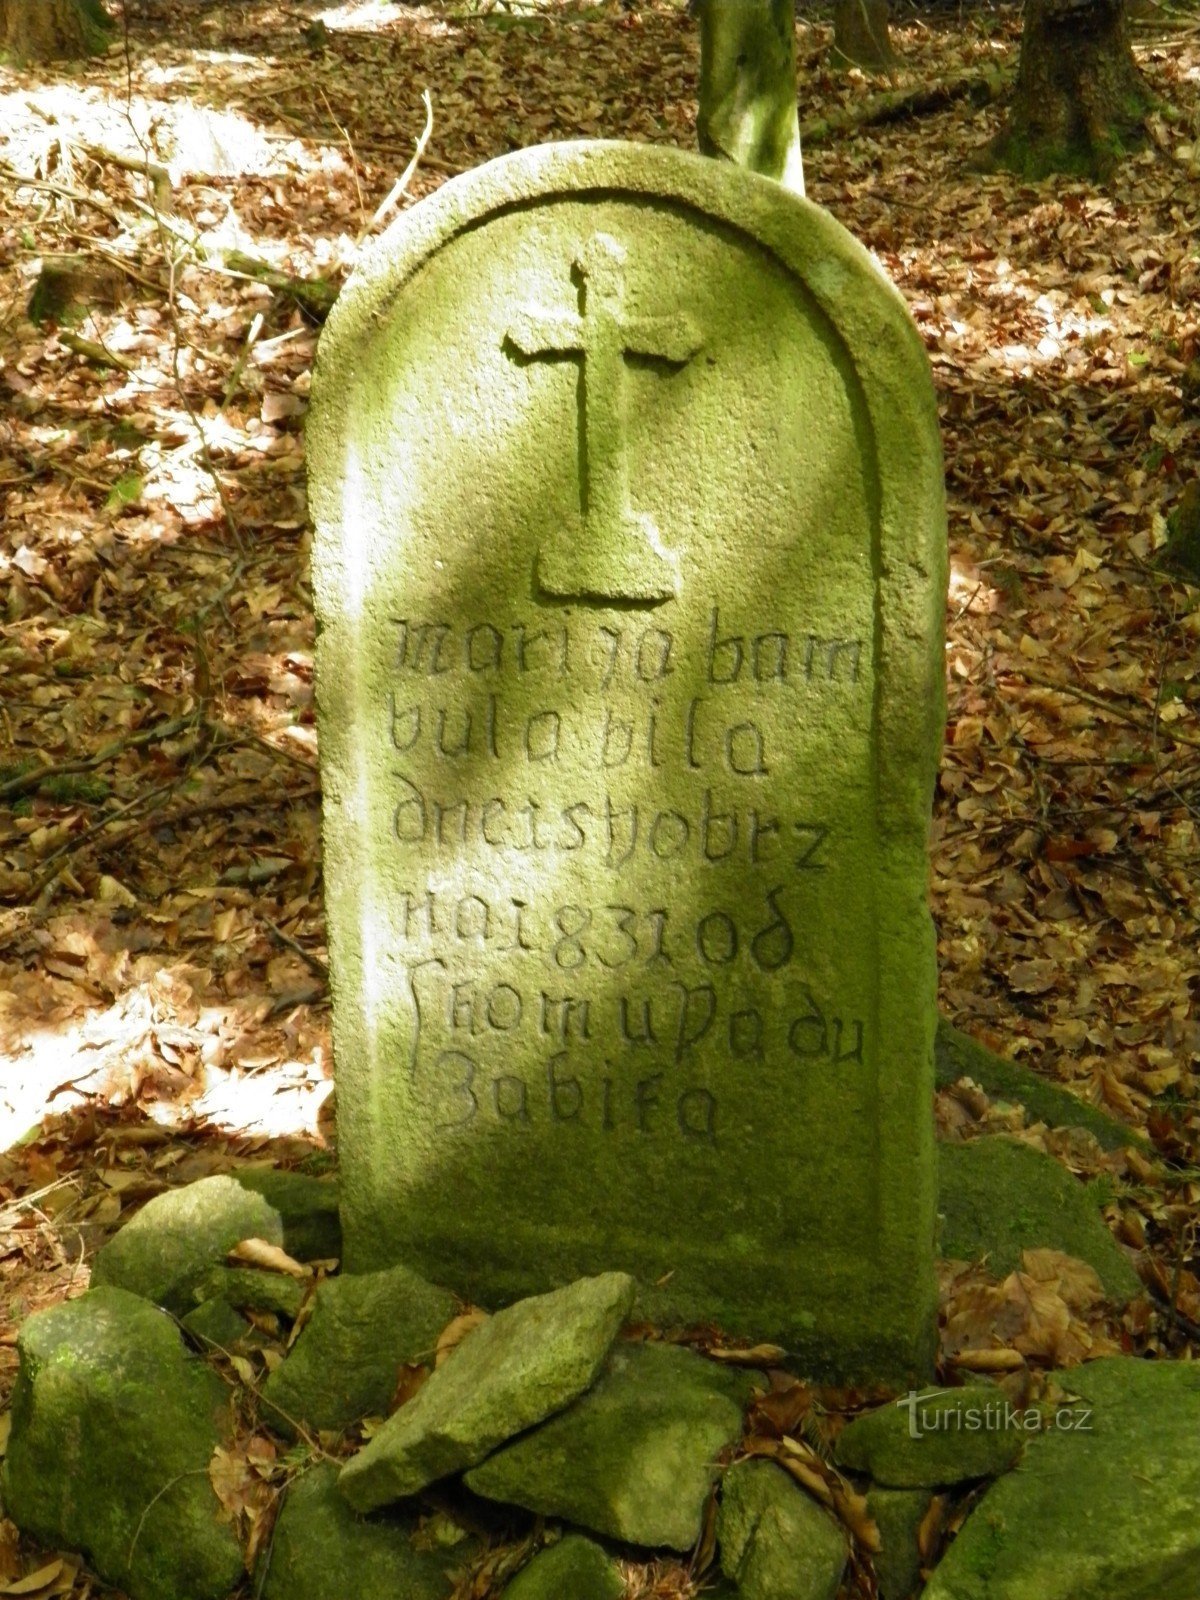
[
  {"x": 177, "y": 1237},
  {"x": 312, "y": 1228},
  {"x": 322, "y": 1551},
  {"x": 635, "y": 1458},
  {"x": 936, "y": 1436},
  {"x": 345, "y": 1363},
  {"x": 113, "y": 1428},
  {"x": 957, "y": 1055},
  {"x": 998, "y": 1197},
  {"x": 513, "y": 1371},
  {"x": 630, "y": 569},
  {"x": 898, "y": 1514},
  {"x": 1107, "y": 1509},
  {"x": 774, "y": 1539},
  {"x": 251, "y": 1289},
  {"x": 572, "y": 1569},
  {"x": 215, "y": 1325}
]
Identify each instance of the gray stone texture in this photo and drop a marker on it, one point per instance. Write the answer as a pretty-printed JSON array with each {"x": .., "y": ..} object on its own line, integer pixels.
[
  {"x": 113, "y": 1428},
  {"x": 998, "y": 1197},
  {"x": 253, "y": 1289},
  {"x": 933, "y": 1437},
  {"x": 513, "y": 1371},
  {"x": 321, "y": 1551},
  {"x": 572, "y": 1569},
  {"x": 774, "y": 1539},
  {"x": 630, "y": 567},
  {"x": 164, "y": 1251},
  {"x": 346, "y": 1361},
  {"x": 1106, "y": 1509},
  {"x": 636, "y": 1457}
]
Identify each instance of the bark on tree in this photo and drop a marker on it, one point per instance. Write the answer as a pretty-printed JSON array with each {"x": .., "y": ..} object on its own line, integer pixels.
[
  {"x": 747, "y": 110},
  {"x": 1080, "y": 99},
  {"x": 52, "y": 30},
  {"x": 860, "y": 35}
]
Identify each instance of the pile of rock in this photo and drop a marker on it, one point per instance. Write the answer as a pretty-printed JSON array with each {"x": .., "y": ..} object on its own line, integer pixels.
[{"x": 544, "y": 1408}]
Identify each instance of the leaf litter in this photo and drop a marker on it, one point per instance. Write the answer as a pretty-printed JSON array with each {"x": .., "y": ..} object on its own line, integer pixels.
[{"x": 163, "y": 1005}]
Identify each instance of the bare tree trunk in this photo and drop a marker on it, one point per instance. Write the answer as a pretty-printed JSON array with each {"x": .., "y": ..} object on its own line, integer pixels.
[
  {"x": 747, "y": 110},
  {"x": 860, "y": 35},
  {"x": 1080, "y": 99},
  {"x": 51, "y": 30}
]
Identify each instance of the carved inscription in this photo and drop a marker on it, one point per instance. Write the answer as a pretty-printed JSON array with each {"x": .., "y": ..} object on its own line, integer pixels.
[{"x": 523, "y": 748}]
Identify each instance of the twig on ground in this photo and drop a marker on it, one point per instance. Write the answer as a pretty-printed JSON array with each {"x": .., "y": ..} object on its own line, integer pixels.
[{"x": 398, "y": 189}]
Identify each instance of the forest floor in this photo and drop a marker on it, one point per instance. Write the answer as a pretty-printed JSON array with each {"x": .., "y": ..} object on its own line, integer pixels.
[{"x": 163, "y": 1003}]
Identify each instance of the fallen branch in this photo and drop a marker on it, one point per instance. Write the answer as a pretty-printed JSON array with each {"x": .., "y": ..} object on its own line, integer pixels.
[
  {"x": 95, "y": 353},
  {"x": 24, "y": 782},
  {"x": 981, "y": 88},
  {"x": 401, "y": 184},
  {"x": 313, "y": 295}
]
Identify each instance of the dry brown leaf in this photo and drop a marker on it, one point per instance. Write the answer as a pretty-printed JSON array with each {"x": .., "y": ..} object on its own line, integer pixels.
[
  {"x": 455, "y": 1331},
  {"x": 259, "y": 1253}
]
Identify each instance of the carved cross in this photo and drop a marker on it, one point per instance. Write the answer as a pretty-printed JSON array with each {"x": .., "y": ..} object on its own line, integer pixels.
[{"x": 622, "y": 555}]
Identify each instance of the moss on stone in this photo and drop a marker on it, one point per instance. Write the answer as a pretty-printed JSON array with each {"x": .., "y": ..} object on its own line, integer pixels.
[
  {"x": 114, "y": 1425},
  {"x": 999, "y": 1197},
  {"x": 346, "y": 1361},
  {"x": 572, "y": 1569},
  {"x": 167, "y": 1248},
  {"x": 636, "y": 1457},
  {"x": 934, "y": 1437},
  {"x": 774, "y": 1539},
  {"x": 320, "y": 1549}
]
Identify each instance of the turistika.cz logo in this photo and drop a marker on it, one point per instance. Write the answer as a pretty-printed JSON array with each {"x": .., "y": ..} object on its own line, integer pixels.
[{"x": 938, "y": 1411}]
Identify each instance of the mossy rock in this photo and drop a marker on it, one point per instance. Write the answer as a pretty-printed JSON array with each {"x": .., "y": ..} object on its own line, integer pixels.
[
  {"x": 635, "y": 1458},
  {"x": 998, "y": 1197},
  {"x": 572, "y": 1569},
  {"x": 344, "y": 1366},
  {"x": 957, "y": 1055},
  {"x": 933, "y": 1439},
  {"x": 898, "y": 1514},
  {"x": 1106, "y": 1503},
  {"x": 774, "y": 1539},
  {"x": 320, "y": 1549},
  {"x": 312, "y": 1229},
  {"x": 113, "y": 1428},
  {"x": 165, "y": 1251}
]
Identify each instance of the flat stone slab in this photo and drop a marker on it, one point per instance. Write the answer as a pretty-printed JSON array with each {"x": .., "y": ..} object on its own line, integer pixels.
[
  {"x": 511, "y": 1372},
  {"x": 934, "y": 1437},
  {"x": 175, "y": 1239},
  {"x": 636, "y": 1457},
  {"x": 113, "y": 1428},
  {"x": 572, "y": 1569},
  {"x": 774, "y": 1539},
  {"x": 630, "y": 569},
  {"x": 346, "y": 1361},
  {"x": 999, "y": 1197},
  {"x": 1105, "y": 1505},
  {"x": 321, "y": 1550}
]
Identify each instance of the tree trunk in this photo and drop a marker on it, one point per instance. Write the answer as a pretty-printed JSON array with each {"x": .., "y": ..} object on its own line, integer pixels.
[
  {"x": 51, "y": 30},
  {"x": 747, "y": 110},
  {"x": 1080, "y": 99},
  {"x": 860, "y": 35}
]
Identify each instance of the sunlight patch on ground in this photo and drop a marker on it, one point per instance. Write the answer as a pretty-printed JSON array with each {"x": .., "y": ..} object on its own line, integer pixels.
[{"x": 107, "y": 1056}]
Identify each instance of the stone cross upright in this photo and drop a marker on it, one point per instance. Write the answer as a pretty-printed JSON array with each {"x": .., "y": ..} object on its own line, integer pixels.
[{"x": 602, "y": 336}]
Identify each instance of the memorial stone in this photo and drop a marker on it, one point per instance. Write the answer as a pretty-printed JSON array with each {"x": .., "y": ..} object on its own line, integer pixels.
[{"x": 630, "y": 568}]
